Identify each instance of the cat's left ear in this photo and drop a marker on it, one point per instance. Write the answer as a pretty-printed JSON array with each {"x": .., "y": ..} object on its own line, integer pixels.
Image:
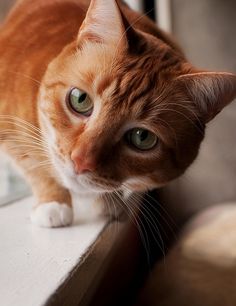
[
  {"x": 103, "y": 23},
  {"x": 210, "y": 91}
]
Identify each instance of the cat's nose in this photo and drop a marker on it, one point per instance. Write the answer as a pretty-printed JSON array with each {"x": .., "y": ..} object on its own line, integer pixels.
[{"x": 81, "y": 163}]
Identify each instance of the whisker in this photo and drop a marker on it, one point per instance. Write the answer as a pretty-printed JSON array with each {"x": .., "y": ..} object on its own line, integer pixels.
[
  {"x": 20, "y": 136},
  {"x": 183, "y": 115},
  {"x": 153, "y": 208},
  {"x": 111, "y": 200},
  {"x": 139, "y": 224},
  {"x": 40, "y": 165},
  {"x": 188, "y": 108},
  {"x": 171, "y": 129},
  {"x": 14, "y": 118},
  {"x": 26, "y": 76},
  {"x": 21, "y": 125},
  {"x": 151, "y": 222},
  {"x": 163, "y": 209},
  {"x": 23, "y": 144}
]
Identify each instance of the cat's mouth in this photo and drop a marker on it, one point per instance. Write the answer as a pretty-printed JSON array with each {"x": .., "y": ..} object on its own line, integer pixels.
[
  {"x": 88, "y": 183},
  {"x": 84, "y": 183},
  {"x": 97, "y": 184}
]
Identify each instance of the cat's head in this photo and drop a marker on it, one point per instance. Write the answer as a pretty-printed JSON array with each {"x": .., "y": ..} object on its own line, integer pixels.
[{"x": 120, "y": 109}]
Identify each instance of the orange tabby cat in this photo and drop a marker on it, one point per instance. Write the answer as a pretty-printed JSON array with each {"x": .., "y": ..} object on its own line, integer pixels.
[{"x": 95, "y": 99}]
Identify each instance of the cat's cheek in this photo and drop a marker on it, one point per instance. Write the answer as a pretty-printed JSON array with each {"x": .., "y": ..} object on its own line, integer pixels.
[
  {"x": 49, "y": 131},
  {"x": 63, "y": 171}
]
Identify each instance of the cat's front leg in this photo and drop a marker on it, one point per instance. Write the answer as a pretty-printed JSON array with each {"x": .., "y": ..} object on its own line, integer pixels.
[{"x": 53, "y": 208}]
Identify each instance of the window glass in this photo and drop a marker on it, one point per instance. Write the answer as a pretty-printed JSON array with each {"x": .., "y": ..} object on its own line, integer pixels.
[{"x": 12, "y": 186}]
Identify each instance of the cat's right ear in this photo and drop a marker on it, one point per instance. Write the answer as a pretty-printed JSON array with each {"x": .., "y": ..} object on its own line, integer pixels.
[
  {"x": 103, "y": 24},
  {"x": 209, "y": 91}
]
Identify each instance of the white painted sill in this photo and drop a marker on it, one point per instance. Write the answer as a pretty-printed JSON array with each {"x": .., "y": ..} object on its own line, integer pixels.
[
  {"x": 67, "y": 266},
  {"x": 35, "y": 262}
]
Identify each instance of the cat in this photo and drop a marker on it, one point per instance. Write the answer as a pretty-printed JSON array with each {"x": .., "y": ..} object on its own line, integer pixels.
[{"x": 96, "y": 100}]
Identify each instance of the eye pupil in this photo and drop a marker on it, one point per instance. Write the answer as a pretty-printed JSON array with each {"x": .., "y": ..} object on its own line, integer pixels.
[
  {"x": 143, "y": 135},
  {"x": 82, "y": 98}
]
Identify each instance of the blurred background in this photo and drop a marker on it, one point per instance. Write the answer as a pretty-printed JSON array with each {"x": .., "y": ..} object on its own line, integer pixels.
[{"x": 205, "y": 29}]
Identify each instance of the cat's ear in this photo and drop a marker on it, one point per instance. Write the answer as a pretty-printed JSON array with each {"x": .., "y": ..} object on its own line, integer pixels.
[
  {"x": 103, "y": 23},
  {"x": 210, "y": 91}
]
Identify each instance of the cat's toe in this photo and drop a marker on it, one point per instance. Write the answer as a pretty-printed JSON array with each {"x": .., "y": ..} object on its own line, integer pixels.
[{"x": 52, "y": 214}]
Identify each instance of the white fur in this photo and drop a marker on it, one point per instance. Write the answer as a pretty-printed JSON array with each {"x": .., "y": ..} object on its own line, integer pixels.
[
  {"x": 52, "y": 214},
  {"x": 48, "y": 127},
  {"x": 88, "y": 207}
]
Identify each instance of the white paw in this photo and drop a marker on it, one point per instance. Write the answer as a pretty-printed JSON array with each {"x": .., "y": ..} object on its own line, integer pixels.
[{"x": 52, "y": 214}]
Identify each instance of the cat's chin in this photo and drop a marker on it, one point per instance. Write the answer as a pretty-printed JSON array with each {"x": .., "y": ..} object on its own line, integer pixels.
[
  {"x": 76, "y": 187},
  {"x": 79, "y": 186},
  {"x": 67, "y": 177}
]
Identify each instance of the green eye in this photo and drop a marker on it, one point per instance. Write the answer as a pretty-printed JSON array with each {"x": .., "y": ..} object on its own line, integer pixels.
[
  {"x": 141, "y": 139},
  {"x": 80, "y": 102}
]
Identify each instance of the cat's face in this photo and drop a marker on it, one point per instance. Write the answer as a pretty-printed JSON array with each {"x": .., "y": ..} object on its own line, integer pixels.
[{"x": 117, "y": 116}]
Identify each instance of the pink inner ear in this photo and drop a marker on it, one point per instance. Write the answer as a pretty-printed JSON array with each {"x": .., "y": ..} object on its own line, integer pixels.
[{"x": 103, "y": 23}]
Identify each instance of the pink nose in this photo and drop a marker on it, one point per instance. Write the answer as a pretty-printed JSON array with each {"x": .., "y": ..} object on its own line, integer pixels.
[{"x": 81, "y": 163}]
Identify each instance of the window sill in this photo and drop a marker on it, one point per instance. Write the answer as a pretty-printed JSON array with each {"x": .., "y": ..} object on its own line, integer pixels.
[
  {"x": 36, "y": 261},
  {"x": 66, "y": 266}
]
